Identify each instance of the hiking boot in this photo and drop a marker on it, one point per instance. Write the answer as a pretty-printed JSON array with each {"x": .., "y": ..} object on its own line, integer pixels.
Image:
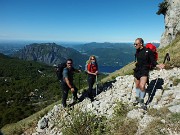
[
  {"x": 136, "y": 101},
  {"x": 92, "y": 99},
  {"x": 74, "y": 101}
]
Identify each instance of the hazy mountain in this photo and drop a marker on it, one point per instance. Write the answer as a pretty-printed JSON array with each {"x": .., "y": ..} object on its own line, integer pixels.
[
  {"x": 109, "y": 54},
  {"x": 50, "y": 53}
]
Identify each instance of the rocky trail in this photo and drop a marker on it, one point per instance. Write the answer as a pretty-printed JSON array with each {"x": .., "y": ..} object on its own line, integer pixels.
[{"x": 166, "y": 94}]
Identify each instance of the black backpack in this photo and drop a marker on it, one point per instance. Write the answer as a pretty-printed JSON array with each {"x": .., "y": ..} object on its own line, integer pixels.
[{"x": 59, "y": 70}]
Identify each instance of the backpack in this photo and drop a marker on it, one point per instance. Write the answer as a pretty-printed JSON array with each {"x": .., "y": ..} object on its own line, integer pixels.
[
  {"x": 152, "y": 47},
  {"x": 59, "y": 70},
  {"x": 92, "y": 66}
]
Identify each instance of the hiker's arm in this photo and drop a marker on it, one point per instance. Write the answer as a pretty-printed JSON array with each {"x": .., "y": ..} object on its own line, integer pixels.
[
  {"x": 160, "y": 66},
  {"x": 76, "y": 70},
  {"x": 65, "y": 76},
  {"x": 153, "y": 61},
  {"x": 69, "y": 84},
  {"x": 91, "y": 73}
]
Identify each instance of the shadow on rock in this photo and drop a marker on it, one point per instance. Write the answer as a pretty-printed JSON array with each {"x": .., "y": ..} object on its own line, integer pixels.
[
  {"x": 152, "y": 88},
  {"x": 100, "y": 88},
  {"x": 1, "y": 133}
]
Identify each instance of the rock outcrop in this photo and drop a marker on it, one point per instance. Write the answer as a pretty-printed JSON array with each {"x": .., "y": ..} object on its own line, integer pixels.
[
  {"x": 172, "y": 22},
  {"x": 165, "y": 94}
]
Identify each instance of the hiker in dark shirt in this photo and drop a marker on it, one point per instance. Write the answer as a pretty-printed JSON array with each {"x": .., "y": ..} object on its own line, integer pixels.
[
  {"x": 141, "y": 71},
  {"x": 67, "y": 82}
]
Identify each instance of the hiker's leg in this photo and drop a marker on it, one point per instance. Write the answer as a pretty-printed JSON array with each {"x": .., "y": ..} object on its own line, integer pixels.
[
  {"x": 90, "y": 84},
  {"x": 143, "y": 81},
  {"x": 64, "y": 94},
  {"x": 142, "y": 84},
  {"x": 75, "y": 93},
  {"x": 137, "y": 82}
]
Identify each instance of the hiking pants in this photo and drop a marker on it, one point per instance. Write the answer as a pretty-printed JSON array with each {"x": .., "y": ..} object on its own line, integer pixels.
[
  {"x": 91, "y": 81},
  {"x": 65, "y": 90}
]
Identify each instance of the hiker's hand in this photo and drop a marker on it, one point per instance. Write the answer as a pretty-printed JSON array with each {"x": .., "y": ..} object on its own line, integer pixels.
[
  {"x": 72, "y": 89},
  {"x": 79, "y": 71},
  {"x": 96, "y": 72},
  {"x": 160, "y": 66}
]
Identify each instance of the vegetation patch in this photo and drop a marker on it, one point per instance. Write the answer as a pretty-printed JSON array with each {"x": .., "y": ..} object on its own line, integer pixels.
[
  {"x": 27, "y": 123},
  {"x": 83, "y": 123},
  {"x": 176, "y": 81}
]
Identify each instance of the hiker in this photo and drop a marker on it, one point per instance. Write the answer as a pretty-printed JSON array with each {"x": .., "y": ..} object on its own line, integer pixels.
[
  {"x": 92, "y": 70},
  {"x": 141, "y": 71},
  {"x": 67, "y": 82}
]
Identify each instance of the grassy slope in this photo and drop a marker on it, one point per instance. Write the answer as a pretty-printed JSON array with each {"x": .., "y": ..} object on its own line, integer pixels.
[
  {"x": 173, "y": 50},
  {"x": 128, "y": 69}
]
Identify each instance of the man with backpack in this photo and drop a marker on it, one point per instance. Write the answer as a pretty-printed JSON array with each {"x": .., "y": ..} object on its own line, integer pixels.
[
  {"x": 145, "y": 60},
  {"x": 67, "y": 82}
]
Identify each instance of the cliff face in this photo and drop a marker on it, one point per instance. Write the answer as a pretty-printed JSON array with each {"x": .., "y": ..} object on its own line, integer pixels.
[{"x": 172, "y": 22}]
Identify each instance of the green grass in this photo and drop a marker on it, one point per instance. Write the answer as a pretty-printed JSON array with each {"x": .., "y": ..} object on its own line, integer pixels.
[
  {"x": 87, "y": 123},
  {"x": 173, "y": 50},
  {"x": 171, "y": 122},
  {"x": 176, "y": 81},
  {"x": 25, "y": 124},
  {"x": 83, "y": 123},
  {"x": 119, "y": 124}
]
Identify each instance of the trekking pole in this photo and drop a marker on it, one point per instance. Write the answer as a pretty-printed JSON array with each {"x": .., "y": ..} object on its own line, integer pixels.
[
  {"x": 96, "y": 85},
  {"x": 167, "y": 57},
  {"x": 80, "y": 67},
  {"x": 153, "y": 89},
  {"x": 131, "y": 91},
  {"x": 79, "y": 81}
]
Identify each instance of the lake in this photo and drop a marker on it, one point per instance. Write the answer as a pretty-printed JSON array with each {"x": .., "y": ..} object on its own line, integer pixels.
[{"x": 109, "y": 69}]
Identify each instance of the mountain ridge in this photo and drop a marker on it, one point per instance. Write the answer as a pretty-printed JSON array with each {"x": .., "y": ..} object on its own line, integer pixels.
[{"x": 50, "y": 53}]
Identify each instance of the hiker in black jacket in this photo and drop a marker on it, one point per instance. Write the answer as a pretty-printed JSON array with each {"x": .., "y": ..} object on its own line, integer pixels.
[{"x": 141, "y": 72}]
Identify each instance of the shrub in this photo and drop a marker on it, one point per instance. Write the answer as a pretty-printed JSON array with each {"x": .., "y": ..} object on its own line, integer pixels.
[
  {"x": 162, "y": 8},
  {"x": 119, "y": 124},
  {"x": 176, "y": 81},
  {"x": 83, "y": 123}
]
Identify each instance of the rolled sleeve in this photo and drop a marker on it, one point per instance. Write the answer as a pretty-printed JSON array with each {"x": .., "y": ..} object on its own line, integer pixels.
[{"x": 65, "y": 73}]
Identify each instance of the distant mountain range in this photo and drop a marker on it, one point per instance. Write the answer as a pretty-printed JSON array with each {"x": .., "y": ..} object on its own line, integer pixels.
[
  {"x": 108, "y": 54},
  {"x": 50, "y": 53}
]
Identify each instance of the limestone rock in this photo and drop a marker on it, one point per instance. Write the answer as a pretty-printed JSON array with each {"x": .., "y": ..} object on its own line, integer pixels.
[{"x": 172, "y": 22}]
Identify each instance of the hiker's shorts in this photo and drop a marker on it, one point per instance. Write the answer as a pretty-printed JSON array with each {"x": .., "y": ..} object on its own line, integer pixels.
[{"x": 140, "y": 73}]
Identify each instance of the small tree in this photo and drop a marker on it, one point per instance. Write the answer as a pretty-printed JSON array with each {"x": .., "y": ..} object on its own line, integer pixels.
[{"x": 162, "y": 8}]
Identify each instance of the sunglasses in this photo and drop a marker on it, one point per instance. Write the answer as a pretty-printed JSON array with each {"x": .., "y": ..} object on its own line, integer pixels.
[
  {"x": 92, "y": 59},
  {"x": 69, "y": 63},
  {"x": 135, "y": 44}
]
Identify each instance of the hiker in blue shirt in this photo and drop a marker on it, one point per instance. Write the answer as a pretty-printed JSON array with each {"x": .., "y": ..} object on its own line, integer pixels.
[{"x": 67, "y": 82}]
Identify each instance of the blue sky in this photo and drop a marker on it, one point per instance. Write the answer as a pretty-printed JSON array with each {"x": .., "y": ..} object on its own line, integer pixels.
[{"x": 81, "y": 20}]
